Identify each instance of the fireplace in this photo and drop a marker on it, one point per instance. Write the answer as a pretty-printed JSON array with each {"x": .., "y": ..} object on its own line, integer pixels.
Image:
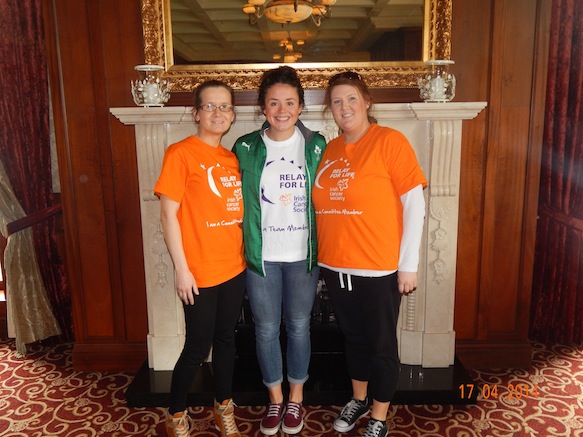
[{"x": 426, "y": 333}]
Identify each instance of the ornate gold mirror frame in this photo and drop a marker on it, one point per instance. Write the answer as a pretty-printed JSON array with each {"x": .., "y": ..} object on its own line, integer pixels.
[{"x": 158, "y": 51}]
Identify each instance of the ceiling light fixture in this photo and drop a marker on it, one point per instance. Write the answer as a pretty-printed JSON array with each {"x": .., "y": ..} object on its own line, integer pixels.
[
  {"x": 288, "y": 11},
  {"x": 290, "y": 54}
]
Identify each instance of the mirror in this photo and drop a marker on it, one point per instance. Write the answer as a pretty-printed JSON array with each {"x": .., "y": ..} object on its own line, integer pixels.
[{"x": 200, "y": 24}]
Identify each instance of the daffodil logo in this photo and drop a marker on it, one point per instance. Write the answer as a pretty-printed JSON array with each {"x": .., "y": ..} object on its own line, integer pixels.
[
  {"x": 343, "y": 184},
  {"x": 285, "y": 199}
]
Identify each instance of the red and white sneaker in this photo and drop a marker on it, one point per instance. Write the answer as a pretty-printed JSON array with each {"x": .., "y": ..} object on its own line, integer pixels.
[
  {"x": 272, "y": 419},
  {"x": 293, "y": 419}
]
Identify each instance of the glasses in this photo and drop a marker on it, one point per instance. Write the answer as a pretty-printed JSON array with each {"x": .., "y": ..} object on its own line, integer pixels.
[
  {"x": 350, "y": 75},
  {"x": 209, "y": 107}
]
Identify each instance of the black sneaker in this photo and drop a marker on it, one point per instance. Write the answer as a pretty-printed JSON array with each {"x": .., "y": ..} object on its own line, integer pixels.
[
  {"x": 376, "y": 428},
  {"x": 352, "y": 411}
]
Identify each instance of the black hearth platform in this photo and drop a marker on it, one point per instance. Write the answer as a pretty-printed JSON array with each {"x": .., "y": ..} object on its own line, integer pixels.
[{"x": 329, "y": 383}]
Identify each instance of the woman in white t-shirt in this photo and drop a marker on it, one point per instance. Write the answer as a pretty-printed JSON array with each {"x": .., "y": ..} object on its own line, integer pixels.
[{"x": 278, "y": 164}]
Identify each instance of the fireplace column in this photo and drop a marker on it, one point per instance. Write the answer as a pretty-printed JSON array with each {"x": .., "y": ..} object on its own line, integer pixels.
[{"x": 427, "y": 333}]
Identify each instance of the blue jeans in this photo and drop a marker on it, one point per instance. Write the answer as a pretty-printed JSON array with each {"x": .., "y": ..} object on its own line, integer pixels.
[{"x": 286, "y": 286}]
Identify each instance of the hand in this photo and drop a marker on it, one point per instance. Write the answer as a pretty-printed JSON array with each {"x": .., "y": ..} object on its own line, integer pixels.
[
  {"x": 186, "y": 287},
  {"x": 407, "y": 282}
]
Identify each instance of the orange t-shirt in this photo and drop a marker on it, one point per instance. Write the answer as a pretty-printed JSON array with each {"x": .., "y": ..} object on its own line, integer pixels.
[
  {"x": 359, "y": 215},
  {"x": 205, "y": 180}
]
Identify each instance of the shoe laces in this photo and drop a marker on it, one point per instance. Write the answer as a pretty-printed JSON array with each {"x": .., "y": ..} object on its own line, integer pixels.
[
  {"x": 180, "y": 425},
  {"x": 274, "y": 410},
  {"x": 293, "y": 408},
  {"x": 374, "y": 429},
  {"x": 227, "y": 416},
  {"x": 229, "y": 424},
  {"x": 351, "y": 408}
]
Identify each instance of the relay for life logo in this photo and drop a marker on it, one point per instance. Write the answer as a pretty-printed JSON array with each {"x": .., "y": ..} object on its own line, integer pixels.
[
  {"x": 224, "y": 184},
  {"x": 339, "y": 173},
  {"x": 335, "y": 177},
  {"x": 290, "y": 188}
]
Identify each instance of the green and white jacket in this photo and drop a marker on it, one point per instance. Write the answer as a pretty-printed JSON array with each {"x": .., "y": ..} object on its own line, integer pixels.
[{"x": 251, "y": 152}]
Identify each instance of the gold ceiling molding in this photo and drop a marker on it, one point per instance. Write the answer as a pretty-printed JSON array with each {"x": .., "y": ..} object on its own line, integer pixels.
[{"x": 158, "y": 51}]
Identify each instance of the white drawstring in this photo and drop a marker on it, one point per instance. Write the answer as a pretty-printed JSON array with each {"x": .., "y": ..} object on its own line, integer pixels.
[{"x": 341, "y": 279}]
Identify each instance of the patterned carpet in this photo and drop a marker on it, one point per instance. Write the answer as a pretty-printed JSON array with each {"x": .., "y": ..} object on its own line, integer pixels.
[{"x": 41, "y": 396}]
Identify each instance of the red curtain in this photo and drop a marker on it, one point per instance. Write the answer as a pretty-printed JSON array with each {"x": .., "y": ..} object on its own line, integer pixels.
[
  {"x": 25, "y": 140},
  {"x": 557, "y": 298}
]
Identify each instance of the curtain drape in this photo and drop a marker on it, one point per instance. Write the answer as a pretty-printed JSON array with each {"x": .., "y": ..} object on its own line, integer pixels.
[
  {"x": 29, "y": 311},
  {"x": 557, "y": 297},
  {"x": 25, "y": 139}
]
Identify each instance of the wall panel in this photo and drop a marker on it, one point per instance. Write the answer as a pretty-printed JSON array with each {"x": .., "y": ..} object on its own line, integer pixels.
[
  {"x": 91, "y": 67},
  {"x": 471, "y": 50},
  {"x": 496, "y": 242}
]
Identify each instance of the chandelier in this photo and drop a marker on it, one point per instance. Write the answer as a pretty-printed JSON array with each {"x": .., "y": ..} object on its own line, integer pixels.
[
  {"x": 288, "y": 11},
  {"x": 290, "y": 54}
]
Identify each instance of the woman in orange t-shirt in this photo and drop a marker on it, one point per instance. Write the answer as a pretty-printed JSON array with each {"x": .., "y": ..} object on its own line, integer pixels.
[
  {"x": 201, "y": 212},
  {"x": 368, "y": 196}
]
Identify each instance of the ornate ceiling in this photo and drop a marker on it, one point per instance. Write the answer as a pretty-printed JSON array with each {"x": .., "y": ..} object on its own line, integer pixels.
[{"x": 217, "y": 31}]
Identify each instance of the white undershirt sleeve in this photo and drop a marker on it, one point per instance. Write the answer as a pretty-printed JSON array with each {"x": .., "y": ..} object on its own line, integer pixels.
[{"x": 413, "y": 220}]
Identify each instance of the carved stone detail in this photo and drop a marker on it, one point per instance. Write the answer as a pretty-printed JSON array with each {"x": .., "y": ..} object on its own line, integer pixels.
[
  {"x": 439, "y": 209},
  {"x": 150, "y": 160},
  {"x": 411, "y": 307},
  {"x": 159, "y": 249},
  {"x": 444, "y": 176},
  {"x": 329, "y": 130}
]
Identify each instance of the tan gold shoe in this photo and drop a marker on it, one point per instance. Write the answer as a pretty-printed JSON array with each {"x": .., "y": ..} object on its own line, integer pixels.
[
  {"x": 177, "y": 425},
  {"x": 225, "y": 418}
]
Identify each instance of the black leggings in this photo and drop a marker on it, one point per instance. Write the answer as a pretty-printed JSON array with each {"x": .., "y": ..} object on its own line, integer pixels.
[
  {"x": 211, "y": 321},
  {"x": 367, "y": 317}
]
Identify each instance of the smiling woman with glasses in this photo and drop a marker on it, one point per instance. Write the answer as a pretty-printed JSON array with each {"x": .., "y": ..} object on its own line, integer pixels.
[
  {"x": 209, "y": 107},
  {"x": 206, "y": 247}
]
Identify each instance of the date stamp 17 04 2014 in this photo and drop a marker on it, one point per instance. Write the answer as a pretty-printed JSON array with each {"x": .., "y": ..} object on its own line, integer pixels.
[{"x": 495, "y": 391}]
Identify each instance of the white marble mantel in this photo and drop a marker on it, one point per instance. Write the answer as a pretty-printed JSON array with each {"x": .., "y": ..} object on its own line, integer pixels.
[{"x": 426, "y": 334}]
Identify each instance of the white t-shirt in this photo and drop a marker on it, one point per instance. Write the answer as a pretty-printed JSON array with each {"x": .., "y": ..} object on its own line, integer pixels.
[{"x": 284, "y": 200}]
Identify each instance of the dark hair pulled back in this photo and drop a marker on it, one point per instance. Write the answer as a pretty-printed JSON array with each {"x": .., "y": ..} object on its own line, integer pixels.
[{"x": 281, "y": 75}]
